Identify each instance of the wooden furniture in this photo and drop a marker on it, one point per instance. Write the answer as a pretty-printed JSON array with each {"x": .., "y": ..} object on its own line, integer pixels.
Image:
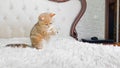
[
  {"x": 111, "y": 13},
  {"x": 73, "y": 32}
]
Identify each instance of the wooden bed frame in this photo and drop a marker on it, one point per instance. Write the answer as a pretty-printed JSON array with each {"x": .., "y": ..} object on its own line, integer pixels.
[{"x": 73, "y": 31}]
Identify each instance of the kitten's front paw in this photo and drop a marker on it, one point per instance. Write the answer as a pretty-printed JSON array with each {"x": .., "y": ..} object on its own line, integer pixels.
[{"x": 54, "y": 31}]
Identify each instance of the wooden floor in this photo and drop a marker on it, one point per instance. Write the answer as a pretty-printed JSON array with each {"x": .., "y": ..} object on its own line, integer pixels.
[{"x": 116, "y": 44}]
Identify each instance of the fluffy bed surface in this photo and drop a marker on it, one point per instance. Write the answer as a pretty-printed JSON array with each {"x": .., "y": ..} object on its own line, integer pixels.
[{"x": 59, "y": 53}]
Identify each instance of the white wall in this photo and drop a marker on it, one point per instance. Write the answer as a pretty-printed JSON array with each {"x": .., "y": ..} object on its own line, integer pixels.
[{"x": 93, "y": 21}]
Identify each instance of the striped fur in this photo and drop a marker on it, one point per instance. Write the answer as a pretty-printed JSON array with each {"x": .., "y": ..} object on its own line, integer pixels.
[{"x": 17, "y": 45}]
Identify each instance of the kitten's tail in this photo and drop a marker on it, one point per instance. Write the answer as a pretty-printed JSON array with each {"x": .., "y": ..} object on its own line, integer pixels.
[{"x": 18, "y": 45}]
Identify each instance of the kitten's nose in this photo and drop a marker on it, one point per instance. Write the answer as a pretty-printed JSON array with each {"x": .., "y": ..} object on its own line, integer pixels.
[{"x": 48, "y": 25}]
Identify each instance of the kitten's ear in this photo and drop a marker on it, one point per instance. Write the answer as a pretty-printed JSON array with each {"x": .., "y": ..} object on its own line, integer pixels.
[
  {"x": 41, "y": 18},
  {"x": 52, "y": 14}
]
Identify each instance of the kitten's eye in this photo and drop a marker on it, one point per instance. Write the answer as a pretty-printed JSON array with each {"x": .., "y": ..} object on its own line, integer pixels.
[{"x": 50, "y": 23}]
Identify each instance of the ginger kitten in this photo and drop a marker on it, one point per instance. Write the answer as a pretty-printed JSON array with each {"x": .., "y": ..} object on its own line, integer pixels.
[{"x": 42, "y": 30}]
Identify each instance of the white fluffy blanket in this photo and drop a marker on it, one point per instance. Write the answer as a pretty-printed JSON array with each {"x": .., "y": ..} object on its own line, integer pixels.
[{"x": 59, "y": 53}]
